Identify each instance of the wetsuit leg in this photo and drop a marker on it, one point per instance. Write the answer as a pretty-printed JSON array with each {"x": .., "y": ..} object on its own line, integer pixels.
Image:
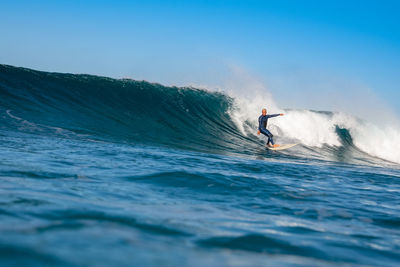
[{"x": 269, "y": 135}]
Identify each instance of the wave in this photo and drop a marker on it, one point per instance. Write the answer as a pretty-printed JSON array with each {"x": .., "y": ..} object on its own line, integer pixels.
[
  {"x": 263, "y": 244},
  {"x": 126, "y": 110}
]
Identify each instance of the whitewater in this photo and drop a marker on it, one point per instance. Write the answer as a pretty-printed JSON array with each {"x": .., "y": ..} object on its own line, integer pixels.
[{"x": 102, "y": 171}]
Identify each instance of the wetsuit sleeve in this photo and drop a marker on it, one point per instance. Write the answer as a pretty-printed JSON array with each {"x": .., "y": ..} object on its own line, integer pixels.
[
  {"x": 259, "y": 122},
  {"x": 273, "y": 115}
]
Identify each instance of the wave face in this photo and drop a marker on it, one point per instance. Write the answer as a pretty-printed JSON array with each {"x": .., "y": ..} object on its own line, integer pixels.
[{"x": 125, "y": 110}]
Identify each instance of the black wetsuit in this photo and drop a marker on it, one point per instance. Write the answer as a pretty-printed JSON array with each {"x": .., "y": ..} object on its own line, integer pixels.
[{"x": 262, "y": 126}]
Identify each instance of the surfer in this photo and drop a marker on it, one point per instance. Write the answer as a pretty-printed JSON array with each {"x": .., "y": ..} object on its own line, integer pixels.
[{"x": 262, "y": 126}]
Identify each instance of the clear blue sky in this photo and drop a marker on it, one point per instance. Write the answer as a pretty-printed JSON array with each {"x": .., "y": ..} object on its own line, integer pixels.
[{"x": 297, "y": 48}]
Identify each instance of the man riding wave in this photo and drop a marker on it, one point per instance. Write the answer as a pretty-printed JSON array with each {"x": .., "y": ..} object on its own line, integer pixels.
[{"x": 262, "y": 126}]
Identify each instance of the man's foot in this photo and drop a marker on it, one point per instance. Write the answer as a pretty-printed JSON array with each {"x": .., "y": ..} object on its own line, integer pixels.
[{"x": 276, "y": 145}]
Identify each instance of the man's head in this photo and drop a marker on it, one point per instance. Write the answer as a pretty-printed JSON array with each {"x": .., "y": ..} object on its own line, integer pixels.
[{"x": 264, "y": 111}]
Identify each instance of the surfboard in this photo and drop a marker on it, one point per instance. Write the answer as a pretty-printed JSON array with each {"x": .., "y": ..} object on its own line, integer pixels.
[{"x": 282, "y": 147}]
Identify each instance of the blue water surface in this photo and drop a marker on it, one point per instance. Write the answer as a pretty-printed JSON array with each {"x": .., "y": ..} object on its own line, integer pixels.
[
  {"x": 76, "y": 202},
  {"x": 90, "y": 176}
]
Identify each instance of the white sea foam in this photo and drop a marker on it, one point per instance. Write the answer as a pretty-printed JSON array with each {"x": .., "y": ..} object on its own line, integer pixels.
[
  {"x": 311, "y": 128},
  {"x": 383, "y": 142},
  {"x": 316, "y": 129}
]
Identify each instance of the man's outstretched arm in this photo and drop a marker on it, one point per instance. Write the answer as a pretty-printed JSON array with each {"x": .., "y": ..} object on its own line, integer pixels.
[{"x": 275, "y": 115}]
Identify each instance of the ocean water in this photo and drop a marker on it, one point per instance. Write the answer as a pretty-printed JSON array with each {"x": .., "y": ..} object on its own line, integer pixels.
[{"x": 107, "y": 172}]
